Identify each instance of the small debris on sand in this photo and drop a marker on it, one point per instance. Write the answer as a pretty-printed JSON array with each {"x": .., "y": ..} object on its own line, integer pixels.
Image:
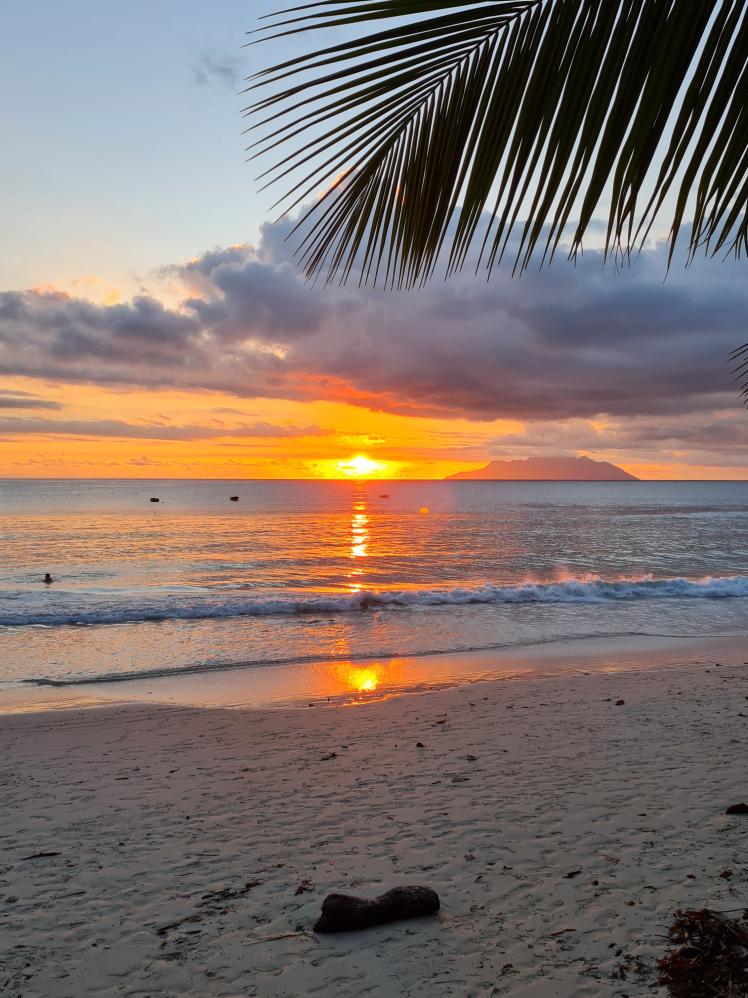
[
  {"x": 296, "y": 934},
  {"x": 227, "y": 894},
  {"x": 212, "y": 903},
  {"x": 304, "y": 887}
]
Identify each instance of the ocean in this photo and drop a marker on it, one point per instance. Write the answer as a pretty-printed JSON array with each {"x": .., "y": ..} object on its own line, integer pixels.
[{"x": 299, "y": 574}]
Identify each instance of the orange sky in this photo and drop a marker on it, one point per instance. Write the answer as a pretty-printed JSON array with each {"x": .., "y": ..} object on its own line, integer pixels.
[
  {"x": 405, "y": 447},
  {"x": 329, "y": 435}
]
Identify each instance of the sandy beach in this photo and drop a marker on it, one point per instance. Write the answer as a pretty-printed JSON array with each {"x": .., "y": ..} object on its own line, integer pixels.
[{"x": 163, "y": 850}]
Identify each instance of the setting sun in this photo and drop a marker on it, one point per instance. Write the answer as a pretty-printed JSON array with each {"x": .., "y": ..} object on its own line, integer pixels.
[{"x": 361, "y": 467}]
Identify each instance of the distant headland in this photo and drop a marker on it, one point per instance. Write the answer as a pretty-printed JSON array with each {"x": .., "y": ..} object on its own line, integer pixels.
[{"x": 555, "y": 469}]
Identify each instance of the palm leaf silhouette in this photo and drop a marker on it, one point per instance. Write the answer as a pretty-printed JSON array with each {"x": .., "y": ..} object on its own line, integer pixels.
[{"x": 503, "y": 127}]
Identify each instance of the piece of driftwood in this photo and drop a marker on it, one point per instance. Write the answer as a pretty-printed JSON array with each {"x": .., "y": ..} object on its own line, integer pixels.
[
  {"x": 344, "y": 913},
  {"x": 741, "y": 808}
]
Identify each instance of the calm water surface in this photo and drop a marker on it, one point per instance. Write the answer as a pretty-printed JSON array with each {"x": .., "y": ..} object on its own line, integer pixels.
[{"x": 318, "y": 571}]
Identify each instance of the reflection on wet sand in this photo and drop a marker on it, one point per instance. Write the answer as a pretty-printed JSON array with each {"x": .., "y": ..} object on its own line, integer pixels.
[
  {"x": 358, "y": 678},
  {"x": 349, "y": 682}
]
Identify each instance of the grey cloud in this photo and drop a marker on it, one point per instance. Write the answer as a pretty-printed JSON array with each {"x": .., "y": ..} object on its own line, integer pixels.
[
  {"x": 713, "y": 431},
  {"x": 227, "y": 410},
  {"x": 16, "y": 400},
  {"x": 277, "y": 241},
  {"x": 225, "y": 70},
  {"x": 265, "y": 300},
  {"x": 709, "y": 437},
  {"x": 217, "y": 257},
  {"x": 120, "y": 428}
]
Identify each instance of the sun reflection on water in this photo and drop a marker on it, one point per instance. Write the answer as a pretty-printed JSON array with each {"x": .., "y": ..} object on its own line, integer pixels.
[
  {"x": 359, "y": 531},
  {"x": 359, "y": 543}
]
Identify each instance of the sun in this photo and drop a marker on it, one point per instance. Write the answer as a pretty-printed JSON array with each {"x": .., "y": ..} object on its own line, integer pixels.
[{"x": 360, "y": 466}]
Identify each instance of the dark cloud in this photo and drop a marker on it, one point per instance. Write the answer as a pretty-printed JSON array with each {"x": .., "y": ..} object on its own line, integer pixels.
[
  {"x": 140, "y": 431},
  {"x": 268, "y": 302},
  {"x": 573, "y": 342}
]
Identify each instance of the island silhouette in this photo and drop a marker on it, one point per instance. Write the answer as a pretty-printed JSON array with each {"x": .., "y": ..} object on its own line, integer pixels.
[{"x": 553, "y": 469}]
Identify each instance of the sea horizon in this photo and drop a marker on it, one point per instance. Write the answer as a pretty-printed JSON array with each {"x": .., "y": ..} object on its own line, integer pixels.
[{"x": 347, "y": 479}]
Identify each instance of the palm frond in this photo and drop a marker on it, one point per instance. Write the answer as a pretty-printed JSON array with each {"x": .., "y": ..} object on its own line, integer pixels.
[
  {"x": 740, "y": 371},
  {"x": 541, "y": 110}
]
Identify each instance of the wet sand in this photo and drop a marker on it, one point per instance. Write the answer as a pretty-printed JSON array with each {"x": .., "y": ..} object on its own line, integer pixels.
[{"x": 350, "y": 681}]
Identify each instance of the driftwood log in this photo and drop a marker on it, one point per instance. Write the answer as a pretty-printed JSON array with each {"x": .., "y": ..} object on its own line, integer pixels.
[
  {"x": 741, "y": 808},
  {"x": 344, "y": 913}
]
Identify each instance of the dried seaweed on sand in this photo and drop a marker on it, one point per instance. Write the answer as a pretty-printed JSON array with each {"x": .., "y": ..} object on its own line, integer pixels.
[{"x": 708, "y": 955}]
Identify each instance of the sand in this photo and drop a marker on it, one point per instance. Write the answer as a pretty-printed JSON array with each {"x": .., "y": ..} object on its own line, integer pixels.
[{"x": 193, "y": 847}]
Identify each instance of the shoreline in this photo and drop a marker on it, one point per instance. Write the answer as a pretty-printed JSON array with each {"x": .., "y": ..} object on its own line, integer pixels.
[
  {"x": 559, "y": 826},
  {"x": 354, "y": 681}
]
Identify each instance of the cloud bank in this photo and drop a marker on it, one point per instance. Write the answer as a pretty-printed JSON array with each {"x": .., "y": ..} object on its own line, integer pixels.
[{"x": 575, "y": 342}]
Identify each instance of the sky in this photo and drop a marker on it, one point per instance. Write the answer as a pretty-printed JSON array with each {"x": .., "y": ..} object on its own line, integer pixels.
[{"x": 153, "y": 322}]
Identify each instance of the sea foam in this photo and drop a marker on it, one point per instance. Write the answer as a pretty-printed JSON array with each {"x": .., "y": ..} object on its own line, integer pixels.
[{"x": 70, "y": 608}]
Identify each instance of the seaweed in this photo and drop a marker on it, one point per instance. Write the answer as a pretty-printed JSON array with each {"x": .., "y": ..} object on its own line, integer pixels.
[{"x": 708, "y": 955}]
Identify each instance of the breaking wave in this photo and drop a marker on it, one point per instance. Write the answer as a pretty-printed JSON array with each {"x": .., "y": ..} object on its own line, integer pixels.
[{"x": 66, "y": 608}]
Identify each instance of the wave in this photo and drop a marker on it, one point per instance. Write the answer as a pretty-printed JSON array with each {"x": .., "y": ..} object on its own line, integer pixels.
[{"x": 588, "y": 590}]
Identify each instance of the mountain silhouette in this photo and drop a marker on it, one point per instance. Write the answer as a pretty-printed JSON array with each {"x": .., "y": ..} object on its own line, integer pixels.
[{"x": 554, "y": 469}]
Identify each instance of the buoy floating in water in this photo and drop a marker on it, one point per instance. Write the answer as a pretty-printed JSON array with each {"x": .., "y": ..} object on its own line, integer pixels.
[
  {"x": 234, "y": 498},
  {"x": 155, "y": 499}
]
